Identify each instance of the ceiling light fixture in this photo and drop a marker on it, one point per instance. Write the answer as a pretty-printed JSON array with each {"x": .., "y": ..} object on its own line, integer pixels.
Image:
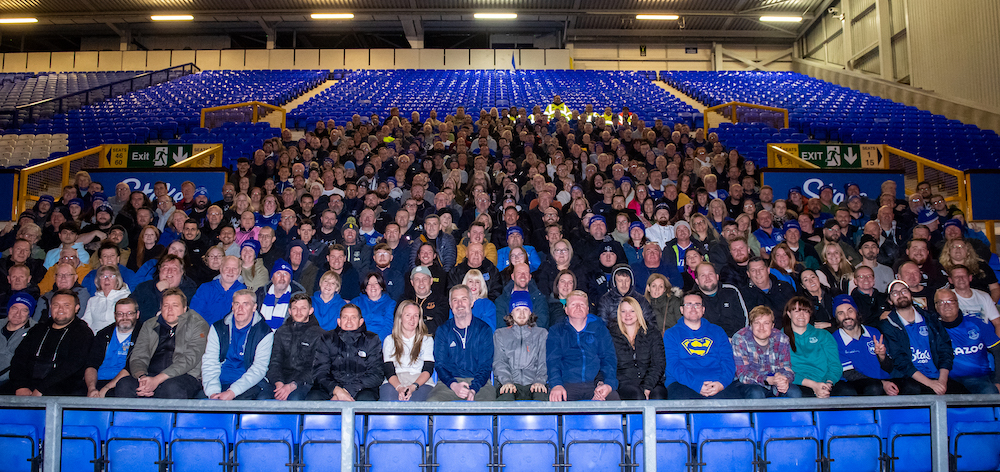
[
  {"x": 10, "y": 21},
  {"x": 171, "y": 17},
  {"x": 656, "y": 17},
  {"x": 495, "y": 16},
  {"x": 332, "y": 16},
  {"x": 786, "y": 19}
]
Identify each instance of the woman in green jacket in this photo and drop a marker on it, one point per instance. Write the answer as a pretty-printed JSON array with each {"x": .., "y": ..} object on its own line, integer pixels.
[{"x": 815, "y": 359}]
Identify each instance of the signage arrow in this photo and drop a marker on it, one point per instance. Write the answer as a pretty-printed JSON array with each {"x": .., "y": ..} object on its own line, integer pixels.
[
  {"x": 180, "y": 155},
  {"x": 850, "y": 157}
]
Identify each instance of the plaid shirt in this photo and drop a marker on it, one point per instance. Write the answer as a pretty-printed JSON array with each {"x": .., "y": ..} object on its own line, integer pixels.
[{"x": 755, "y": 363}]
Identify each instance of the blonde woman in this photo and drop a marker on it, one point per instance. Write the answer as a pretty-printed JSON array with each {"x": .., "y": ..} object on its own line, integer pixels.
[
  {"x": 410, "y": 351},
  {"x": 100, "y": 310},
  {"x": 641, "y": 357},
  {"x": 664, "y": 299},
  {"x": 252, "y": 269},
  {"x": 482, "y": 307},
  {"x": 960, "y": 252},
  {"x": 702, "y": 229},
  {"x": 836, "y": 269}
]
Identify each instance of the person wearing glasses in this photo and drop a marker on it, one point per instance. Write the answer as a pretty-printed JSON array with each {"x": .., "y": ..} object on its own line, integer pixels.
[
  {"x": 763, "y": 358},
  {"x": 700, "y": 362},
  {"x": 100, "y": 311},
  {"x": 973, "y": 339},
  {"x": 919, "y": 345},
  {"x": 110, "y": 349}
]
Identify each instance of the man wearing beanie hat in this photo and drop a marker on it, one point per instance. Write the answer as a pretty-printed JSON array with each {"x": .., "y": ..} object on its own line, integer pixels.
[
  {"x": 519, "y": 353},
  {"x": 521, "y": 282},
  {"x": 869, "y": 250},
  {"x": 918, "y": 344},
  {"x": 662, "y": 231},
  {"x": 14, "y": 328},
  {"x": 862, "y": 353},
  {"x": 515, "y": 238},
  {"x": 273, "y": 298},
  {"x": 53, "y": 355},
  {"x": 622, "y": 286}
]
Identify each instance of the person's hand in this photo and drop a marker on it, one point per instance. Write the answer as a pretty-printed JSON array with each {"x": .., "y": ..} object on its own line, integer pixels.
[
  {"x": 557, "y": 394},
  {"x": 538, "y": 388},
  {"x": 601, "y": 392},
  {"x": 781, "y": 383},
  {"x": 460, "y": 388},
  {"x": 282, "y": 392},
  {"x": 339, "y": 394},
  {"x": 147, "y": 385},
  {"x": 93, "y": 393},
  {"x": 646, "y": 392},
  {"x": 507, "y": 388},
  {"x": 890, "y": 388},
  {"x": 23, "y": 392},
  {"x": 939, "y": 387},
  {"x": 471, "y": 395},
  {"x": 823, "y": 390},
  {"x": 879, "y": 347},
  {"x": 822, "y": 325},
  {"x": 407, "y": 392},
  {"x": 36, "y": 393},
  {"x": 225, "y": 396}
]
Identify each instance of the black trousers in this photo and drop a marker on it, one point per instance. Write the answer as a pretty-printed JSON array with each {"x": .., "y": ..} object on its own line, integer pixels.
[{"x": 180, "y": 387}]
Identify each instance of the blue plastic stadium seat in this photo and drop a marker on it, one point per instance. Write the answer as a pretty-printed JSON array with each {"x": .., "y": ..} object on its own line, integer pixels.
[
  {"x": 907, "y": 436},
  {"x": 396, "y": 443},
  {"x": 725, "y": 441},
  {"x": 321, "y": 438},
  {"x": 673, "y": 442},
  {"x": 788, "y": 440},
  {"x": 528, "y": 443},
  {"x": 83, "y": 436},
  {"x": 851, "y": 440},
  {"x": 463, "y": 443},
  {"x": 264, "y": 450},
  {"x": 20, "y": 440},
  {"x": 201, "y": 441},
  {"x": 593, "y": 442},
  {"x": 975, "y": 438},
  {"x": 136, "y": 438}
]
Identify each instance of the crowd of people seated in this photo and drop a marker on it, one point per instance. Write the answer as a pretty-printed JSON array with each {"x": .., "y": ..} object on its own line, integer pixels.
[{"x": 505, "y": 256}]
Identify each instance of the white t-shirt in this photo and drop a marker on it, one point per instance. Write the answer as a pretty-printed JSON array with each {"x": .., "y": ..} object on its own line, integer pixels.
[
  {"x": 406, "y": 371},
  {"x": 979, "y": 304}
]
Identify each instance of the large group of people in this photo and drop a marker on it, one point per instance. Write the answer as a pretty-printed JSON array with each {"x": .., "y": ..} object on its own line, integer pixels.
[{"x": 565, "y": 255}]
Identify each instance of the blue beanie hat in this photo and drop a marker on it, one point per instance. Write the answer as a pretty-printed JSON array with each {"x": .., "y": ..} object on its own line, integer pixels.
[
  {"x": 24, "y": 299},
  {"x": 842, "y": 299},
  {"x": 636, "y": 224},
  {"x": 520, "y": 298},
  {"x": 281, "y": 265},
  {"x": 252, "y": 244}
]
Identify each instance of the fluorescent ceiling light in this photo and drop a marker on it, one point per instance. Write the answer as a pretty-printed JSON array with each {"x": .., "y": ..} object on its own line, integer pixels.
[
  {"x": 171, "y": 17},
  {"x": 656, "y": 17},
  {"x": 18, "y": 20},
  {"x": 787, "y": 19},
  {"x": 332, "y": 16},
  {"x": 495, "y": 16}
]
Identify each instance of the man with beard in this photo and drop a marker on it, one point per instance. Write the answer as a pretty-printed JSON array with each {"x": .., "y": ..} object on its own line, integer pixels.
[
  {"x": 52, "y": 357},
  {"x": 734, "y": 272},
  {"x": 228, "y": 195},
  {"x": 921, "y": 295},
  {"x": 870, "y": 302},
  {"x": 476, "y": 259},
  {"x": 934, "y": 276},
  {"x": 191, "y": 235},
  {"x": 862, "y": 353},
  {"x": 919, "y": 346},
  {"x": 392, "y": 274},
  {"x": 110, "y": 349},
  {"x": 767, "y": 235},
  {"x": 199, "y": 207},
  {"x": 103, "y": 221},
  {"x": 765, "y": 289},
  {"x": 832, "y": 235},
  {"x": 973, "y": 339},
  {"x": 662, "y": 231},
  {"x": 328, "y": 230},
  {"x": 723, "y": 303},
  {"x": 869, "y": 258}
]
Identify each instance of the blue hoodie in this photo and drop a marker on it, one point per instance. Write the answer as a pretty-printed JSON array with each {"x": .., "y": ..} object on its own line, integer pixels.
[
  {"x": 696, "y": 357},
  {"x": 378, "y": 314},
  {"x": 573, "y": 356},
  {"x": 212, "y": 302},
  {"x": 327, "y": 313}
]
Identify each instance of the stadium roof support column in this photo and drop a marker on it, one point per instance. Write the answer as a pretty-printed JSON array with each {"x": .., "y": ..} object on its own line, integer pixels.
[
  {"x": 124, "y": 35},
  {"x": 717, "y": 56},
  {"x": 755, "y": 64},
  {"x": 886, "y": 69},
  {"x": 846, "y": 19},
  {"x": 268, "y": 31},
  {"x": 414, "y": 31}
]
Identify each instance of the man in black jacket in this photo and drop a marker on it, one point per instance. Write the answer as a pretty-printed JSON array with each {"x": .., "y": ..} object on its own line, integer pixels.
[
  {"x": 110, "y": 349},
  {"x": 476, "y": 259},
  {"x": 724, "y": 303},
  {"x": 53, "y": 356},
  {"x": 290, "y": 372},
  {"x": 348, "y": 362},
  {"x": 765, "y": 289}
]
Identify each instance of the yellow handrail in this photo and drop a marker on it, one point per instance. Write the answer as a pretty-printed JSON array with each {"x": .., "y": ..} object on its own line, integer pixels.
[
  {"x": 212, "y": 154},
  {"x": 733, "y": 105},
  {"x": 773, "y": 159},
  {"x": 256, "y": 112},
  {"x": 64, "y": 161}
]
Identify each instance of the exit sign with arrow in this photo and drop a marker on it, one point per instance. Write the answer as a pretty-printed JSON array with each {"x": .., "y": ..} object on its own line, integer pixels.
[{"x": 839, "y": 156}]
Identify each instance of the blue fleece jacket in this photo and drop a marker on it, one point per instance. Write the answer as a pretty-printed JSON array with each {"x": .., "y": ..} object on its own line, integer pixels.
[
  {"x": 696, "y": 357},
  {"x": 470, "y": 359},
  {"x": 327, "y": 313},
  {"x": 378, "y": 314},
  {"x": 213, "y": 302},
  {"x": 586, "y": 356},
  {"x": 127, "y": 276}
]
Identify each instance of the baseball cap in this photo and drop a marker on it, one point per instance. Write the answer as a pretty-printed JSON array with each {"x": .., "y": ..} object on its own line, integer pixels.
[
  {"x": 829, "y": 224},
  {"x": 826, "y": 187},
  {"x": 420, "y": 270},
  {"x": 866, "y": 239}
]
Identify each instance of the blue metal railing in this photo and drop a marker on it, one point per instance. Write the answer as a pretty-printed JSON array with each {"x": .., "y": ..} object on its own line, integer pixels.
[
  {"x": 348, "y": 411},
  {"x": 50, "y": 106}
]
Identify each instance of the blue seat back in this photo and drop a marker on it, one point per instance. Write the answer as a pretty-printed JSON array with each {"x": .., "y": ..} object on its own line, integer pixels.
[
  {"x": 264, "y": 449},
  {"x": 286, "y": 422},
  {"x": 701, "y": 421},
  {"x": 463, "y": 442},
  {"x": 778, "y": 419},
  {"x": 19, "y": 443},
  {"x": 99, "y": 420},
  {"x": 225, "y": 422},
  {"x": 199, "y": 449},
  {"x": 887, "y": 418},
  {"x": 528, "y": 443},
  {"x": 396, "y": 442}
]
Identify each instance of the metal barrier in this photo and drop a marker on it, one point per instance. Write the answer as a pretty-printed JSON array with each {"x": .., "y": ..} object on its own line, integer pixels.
[
  {"x": 42, "y": 178},
  {"x": 947, "y": 181},
  {"x": 733, "y": 111},
  {"x": 30, "y": 112},
  {"x": 938, "y": 406},
  {"x": 211, "y": 157},
  {"x": 251, "y": 112}
]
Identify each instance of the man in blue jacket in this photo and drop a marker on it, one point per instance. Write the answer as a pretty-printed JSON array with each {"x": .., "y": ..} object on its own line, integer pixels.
[
  {"x": 213, "y": 300},
  {"x": 580, "y": 356},
  {"x": 700, "y": 358},
  {"x": 238, "y": 352},
  {"x": 463, "y": 353}
]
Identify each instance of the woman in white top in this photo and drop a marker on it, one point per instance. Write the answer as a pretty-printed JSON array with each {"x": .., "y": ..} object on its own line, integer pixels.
[
  {"x": 409, "y": 357},
  {"x": 100, "y": 310}
]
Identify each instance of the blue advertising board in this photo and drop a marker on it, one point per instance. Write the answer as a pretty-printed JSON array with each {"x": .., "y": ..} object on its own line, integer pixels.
[
  {"x": 810, "y": 180},
  {"x": 983, "y": 185},
  {"x": 143, "y": 180}
]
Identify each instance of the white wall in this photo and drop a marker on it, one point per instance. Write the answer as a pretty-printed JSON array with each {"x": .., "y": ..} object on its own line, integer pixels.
[{"x": 679, "y": 56}]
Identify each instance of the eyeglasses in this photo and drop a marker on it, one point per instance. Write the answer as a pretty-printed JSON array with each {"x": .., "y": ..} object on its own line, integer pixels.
[
  {"x": 896, "y": 293},
  {"x": 109, "y": 276},
  {"x": 125, "y": 313},
  {"x": 560, "y": 251},
  {"x": 693, "y": 305}
]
